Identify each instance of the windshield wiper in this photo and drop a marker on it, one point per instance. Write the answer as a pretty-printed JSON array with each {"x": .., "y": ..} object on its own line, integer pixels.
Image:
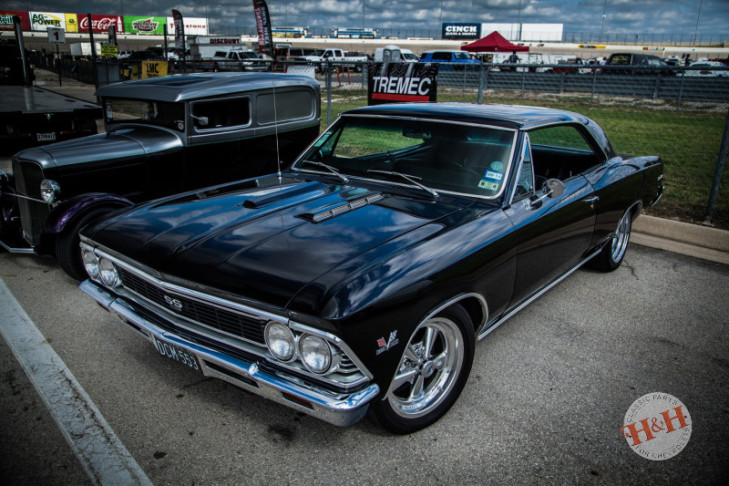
[
  {"x": 410, "y": 178},
  {"x": 331, "y": 169}
]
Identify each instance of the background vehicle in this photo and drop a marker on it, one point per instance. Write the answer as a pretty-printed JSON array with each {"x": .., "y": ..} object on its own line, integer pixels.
[
  {"x": 335, "y": 57},
  {"x": 629, "y": 63},
  {"x": 363, "y": 276},
  {"x": 707, "y": 69},
  {"x": 452, "y": 60},
  {"x": 394, "y": 53},
  {"x": 239, "y": 60},
  {"x": 163, "y": 135}
]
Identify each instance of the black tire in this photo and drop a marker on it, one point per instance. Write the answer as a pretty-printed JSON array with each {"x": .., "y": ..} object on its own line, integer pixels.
[
  {"x": 611, "y": 256},
  {"x": 429, "y": 381},
  {"x": 68, "y": 252}
]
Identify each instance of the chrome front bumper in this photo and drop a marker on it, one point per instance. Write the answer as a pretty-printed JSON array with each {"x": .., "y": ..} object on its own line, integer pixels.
[{"x": 341, "y": 410}]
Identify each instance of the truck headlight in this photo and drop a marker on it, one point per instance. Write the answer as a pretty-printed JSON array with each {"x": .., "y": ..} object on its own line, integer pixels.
[
  {"x": 280, "y": 341},
  {"x": 108, "y": 273},
  {"x": 49, "y": 190},
  {"x": 91, "y": 263},
  {"x": 315, "y": 353}
]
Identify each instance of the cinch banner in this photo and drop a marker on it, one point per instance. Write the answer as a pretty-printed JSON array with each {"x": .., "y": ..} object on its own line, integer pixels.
[
  {"x": 6, "y": 20},
  {"x": 402, "y": 82},
  {"x": 144, "y": 25},
  {"x": 459, "y": 31}
]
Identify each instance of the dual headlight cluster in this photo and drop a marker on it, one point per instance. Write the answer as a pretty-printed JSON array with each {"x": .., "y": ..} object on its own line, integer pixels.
[
  {"x": 314, "y": 352},
  {"x": 100, "y": 268}
]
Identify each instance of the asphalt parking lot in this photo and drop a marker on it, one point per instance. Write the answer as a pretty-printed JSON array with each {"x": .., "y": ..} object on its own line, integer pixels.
[{"x": 544, "y": 403}]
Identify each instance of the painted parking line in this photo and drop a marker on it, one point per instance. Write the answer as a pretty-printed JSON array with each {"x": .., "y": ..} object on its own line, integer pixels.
[{"x": 101, "y": 453}]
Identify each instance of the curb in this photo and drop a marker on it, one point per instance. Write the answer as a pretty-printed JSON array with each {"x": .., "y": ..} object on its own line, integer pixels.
[{"x": 684, "y": 238}]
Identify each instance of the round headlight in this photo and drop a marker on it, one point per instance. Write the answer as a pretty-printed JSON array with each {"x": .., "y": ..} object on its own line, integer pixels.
[
  {"x": 91, "y": 263},
  {"x": 108, "y": 273},
  {"x": 280, "y": 341},
  {"x": 49, "y": 190},
  {"x": 315, "y": 353}
]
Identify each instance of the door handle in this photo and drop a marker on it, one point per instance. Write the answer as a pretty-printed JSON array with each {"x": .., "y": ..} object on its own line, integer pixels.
[{"x": 591, "y": 200}]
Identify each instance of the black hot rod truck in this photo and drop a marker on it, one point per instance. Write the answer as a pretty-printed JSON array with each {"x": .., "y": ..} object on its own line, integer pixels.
[{"x": 163, "y": 136}]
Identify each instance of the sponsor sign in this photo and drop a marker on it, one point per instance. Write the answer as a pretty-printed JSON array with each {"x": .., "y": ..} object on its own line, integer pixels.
[
  {"x": 193, "y": 26},
  {"x": 459, "y": 31},
  {"x": 71, "y": 22},
  {"x": 6, "y": 20},
  {"x": 109, "y": 50},
  {"x": 42, "y": 20},
  {"x": 56, "y": 35},
  {"x": 100, "y": 23},
  {"x": 263, "y": 25},
  {"x": 154, "y": 69},
  {"x": 179, "y": 31},
  {"x": 402, "y": 82},
  {"x": 144, "y": 25}
]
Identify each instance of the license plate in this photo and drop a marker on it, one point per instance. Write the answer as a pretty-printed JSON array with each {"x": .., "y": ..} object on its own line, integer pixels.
[
  {"x": 46, "y": 137},
  {"x": 177, "y": 353}
]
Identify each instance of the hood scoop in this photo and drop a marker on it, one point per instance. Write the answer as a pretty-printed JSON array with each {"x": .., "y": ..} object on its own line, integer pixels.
[
  {"x": 282, "y": 194},
  {"x": 338, "y": 210}
]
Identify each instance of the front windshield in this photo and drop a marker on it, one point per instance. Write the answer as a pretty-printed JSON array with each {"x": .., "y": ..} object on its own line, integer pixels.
[
  {"x": 461, "y": 55},
  {"x": 447, "y": 157},
  {"x": 160, "y": 113}
]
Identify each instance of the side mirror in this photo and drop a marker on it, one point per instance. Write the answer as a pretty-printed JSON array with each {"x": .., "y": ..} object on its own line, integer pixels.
[{"x": 552, "y": 189}]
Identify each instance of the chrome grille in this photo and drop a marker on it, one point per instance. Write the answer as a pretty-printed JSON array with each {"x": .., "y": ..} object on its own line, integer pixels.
[
  {"x": 203, "y": 313},
  {"x": 28, "y": 176}
]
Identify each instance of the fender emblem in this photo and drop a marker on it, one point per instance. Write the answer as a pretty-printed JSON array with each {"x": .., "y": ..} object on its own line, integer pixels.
[
  {"x": 174, "y": 304},
  {"x": 385, "y": 345}
]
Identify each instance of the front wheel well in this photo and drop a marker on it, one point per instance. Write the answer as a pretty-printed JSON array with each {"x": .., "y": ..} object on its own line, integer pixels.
[{"x": 476, "y": 309}]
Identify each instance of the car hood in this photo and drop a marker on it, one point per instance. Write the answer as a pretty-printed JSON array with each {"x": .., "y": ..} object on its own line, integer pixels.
[
  {"x": 124, "y": 142},
  {"x": 290, "y": 244}
]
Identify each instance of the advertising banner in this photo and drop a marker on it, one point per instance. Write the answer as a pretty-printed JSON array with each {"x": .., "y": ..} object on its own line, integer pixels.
[
  {"x": 263, "y": 25},
  {"x": 100, "y": 23},
  {"x": 71, "y": 22},
  {"x": 144, "y": 25},
  {"x": 193, "y": 25},
  {"x": 154, "y": 69},
  {"x": 179, "y": 24},
  {"x": 460, "y": 31},
  {"x": 42, "y": 20},
  {"x": 6, "y": 20},
  {"x": 402, "y": 82}
]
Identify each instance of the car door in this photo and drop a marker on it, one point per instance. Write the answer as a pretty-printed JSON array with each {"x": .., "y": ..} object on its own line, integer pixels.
[{"x": 552, "y": 233}]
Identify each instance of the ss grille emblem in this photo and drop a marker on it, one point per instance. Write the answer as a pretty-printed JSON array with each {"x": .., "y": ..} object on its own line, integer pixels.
[{"x": 174, "y": 304}]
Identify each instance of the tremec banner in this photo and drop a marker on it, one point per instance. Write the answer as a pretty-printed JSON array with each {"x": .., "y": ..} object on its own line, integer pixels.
[
  {"x": 42, "y": 20},
  {"x": 6, "y": 19},
  {"x": 263, "y": 25},
  {"x": 402, "y": 82},
  {"x": 100, "y": 23},
  {"x": 144, "y": 25}
]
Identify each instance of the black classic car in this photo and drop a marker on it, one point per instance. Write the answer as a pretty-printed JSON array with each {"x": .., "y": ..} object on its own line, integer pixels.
[
  {"x": 163, "y": 136},
  {"x": 362, "y": 277}
]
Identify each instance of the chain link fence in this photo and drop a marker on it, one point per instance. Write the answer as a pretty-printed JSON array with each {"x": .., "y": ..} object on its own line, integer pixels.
[{"x": 679, "y": 113}]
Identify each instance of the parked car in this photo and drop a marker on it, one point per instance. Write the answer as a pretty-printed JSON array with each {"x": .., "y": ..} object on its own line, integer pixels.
[
  {"x": 363, "y": 276},
  {"x": 450, "y": 60},
  {"x": 239, "y": 60},
  {"x": 707, "y": 69},
  {"x": 163, "y": 136},
  {"x": 629, "y": 63}
]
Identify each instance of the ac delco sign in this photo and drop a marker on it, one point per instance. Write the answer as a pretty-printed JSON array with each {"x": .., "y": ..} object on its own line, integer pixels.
[
  {"x": 100, "y": 23},
  {"x": 461, "y": 31}
]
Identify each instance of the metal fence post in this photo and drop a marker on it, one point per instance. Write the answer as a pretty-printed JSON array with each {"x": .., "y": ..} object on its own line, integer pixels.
[
  {"x": 717, "y": 173},
  {"x": 329, "y": 93},
  {"x": 480, "y": 84}
]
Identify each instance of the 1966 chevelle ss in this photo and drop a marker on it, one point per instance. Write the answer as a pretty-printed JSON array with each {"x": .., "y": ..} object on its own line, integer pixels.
[{"x": 362, "y": 277}]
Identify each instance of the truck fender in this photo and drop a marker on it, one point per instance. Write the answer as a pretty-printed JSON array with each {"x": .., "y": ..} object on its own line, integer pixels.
[{"x": 71, "y": 210}]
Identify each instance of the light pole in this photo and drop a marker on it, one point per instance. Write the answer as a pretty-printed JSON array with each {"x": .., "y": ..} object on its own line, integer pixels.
[
  {"x": 698, "y": 16},
  {"x": 604, "y": 16}
]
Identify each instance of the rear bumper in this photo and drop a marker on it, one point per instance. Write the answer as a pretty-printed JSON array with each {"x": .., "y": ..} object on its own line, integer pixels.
[{"x": 341, "y": 410}]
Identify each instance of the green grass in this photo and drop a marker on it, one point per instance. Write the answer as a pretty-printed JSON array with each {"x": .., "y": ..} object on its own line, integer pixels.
[{"x": 687, "y": 141}]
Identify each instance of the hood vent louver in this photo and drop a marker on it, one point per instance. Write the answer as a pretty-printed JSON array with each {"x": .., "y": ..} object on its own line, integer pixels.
[{"x": 333, "y": 212}]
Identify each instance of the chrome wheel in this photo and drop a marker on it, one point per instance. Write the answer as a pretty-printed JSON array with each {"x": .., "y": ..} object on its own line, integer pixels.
[
  {"x": 428, "y": 369},
  {"x": 620, "y": 240}
]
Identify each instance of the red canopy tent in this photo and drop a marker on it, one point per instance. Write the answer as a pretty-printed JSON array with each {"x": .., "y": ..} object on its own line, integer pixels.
[{"x": 494, "y": 42}]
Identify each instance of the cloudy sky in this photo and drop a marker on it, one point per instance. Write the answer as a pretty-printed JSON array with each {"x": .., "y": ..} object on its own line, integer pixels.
[{"x": 621, "y": 16}]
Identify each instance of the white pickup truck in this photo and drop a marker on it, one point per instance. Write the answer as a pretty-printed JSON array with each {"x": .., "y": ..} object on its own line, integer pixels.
[{"x": 337, "y": 57}]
